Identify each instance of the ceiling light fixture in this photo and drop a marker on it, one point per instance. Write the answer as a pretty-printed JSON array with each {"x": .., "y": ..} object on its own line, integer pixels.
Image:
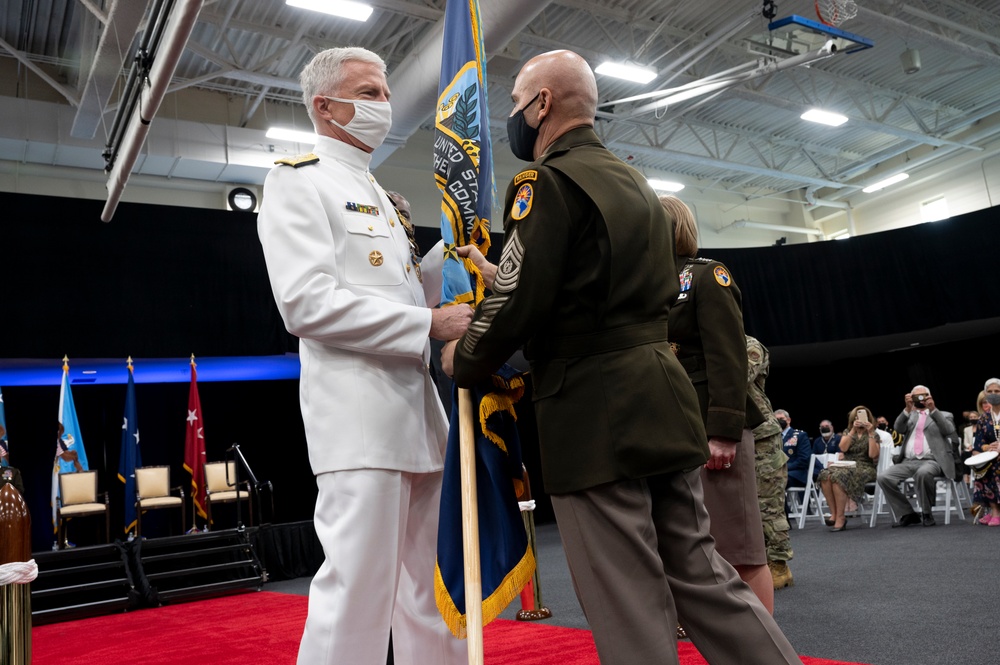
[
  {"x": 882, "y": 184},
  {"x": 356, "y": 11},
  {"x": 287, "y": 134},
  {"x": 664, "y": 185},
  {"x": 840, "y": 235},
  {"x": 824, "y": 117},
  {"x": 626, "y": 71}
]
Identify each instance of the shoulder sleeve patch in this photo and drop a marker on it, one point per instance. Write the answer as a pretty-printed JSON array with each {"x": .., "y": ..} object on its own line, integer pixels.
[
  {"x": 722, "y": 275},
  {"x": 522, "y": 202},
  {"x": 530, "y": 174},
  {"x": 298, "y": 160}
]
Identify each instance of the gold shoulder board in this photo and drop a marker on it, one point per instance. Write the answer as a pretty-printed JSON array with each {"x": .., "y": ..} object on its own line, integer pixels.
[{"x": 298, "y": 160}]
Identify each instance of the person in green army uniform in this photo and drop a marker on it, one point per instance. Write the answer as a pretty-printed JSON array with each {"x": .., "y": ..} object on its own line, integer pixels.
[
  {"x": 706, "y": 333},
  {"x": 771, "y": 463},
  {"x": 585, "y": 283}
]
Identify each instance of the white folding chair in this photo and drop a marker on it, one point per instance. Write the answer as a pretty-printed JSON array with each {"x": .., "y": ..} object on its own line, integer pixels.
[
  {"x": 878, "y": 498},
  {"x": 811, "y": 494}
]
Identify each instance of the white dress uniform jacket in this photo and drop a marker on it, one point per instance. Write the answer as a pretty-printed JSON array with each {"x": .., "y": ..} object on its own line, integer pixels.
[{"x": 346, "y": 284}]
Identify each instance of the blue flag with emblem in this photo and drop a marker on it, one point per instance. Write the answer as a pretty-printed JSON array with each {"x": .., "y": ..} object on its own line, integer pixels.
[
  {"x": 463, "y": 169},
  {"x": 70, "y": 453},
  {"x": 4, "y": 445},
  {"x": 130, "y": 455}
]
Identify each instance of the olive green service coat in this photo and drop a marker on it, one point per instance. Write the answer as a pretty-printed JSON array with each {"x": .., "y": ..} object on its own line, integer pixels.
[
  {"x": 706, "y": 329},
  {"x": 585, "y": 283}
]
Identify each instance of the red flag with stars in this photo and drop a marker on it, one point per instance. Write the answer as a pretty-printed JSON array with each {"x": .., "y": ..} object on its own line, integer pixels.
[{"x": 194, "y": 445}]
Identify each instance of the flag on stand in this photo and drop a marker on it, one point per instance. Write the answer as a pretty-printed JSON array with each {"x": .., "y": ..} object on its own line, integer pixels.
[
  {"x": 131, "y": 456},
  {"x": 463, "y": 170},
  {"x": 194, "y": 445},
  {"x": 3, "y": 433},
  {"x": 70, "y": 453}
]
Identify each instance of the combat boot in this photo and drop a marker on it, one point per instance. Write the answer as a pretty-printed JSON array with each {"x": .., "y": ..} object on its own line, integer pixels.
[{"x": 781, "y": 574}]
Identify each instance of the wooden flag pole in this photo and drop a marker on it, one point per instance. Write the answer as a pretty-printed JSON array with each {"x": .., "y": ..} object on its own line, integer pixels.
[{"x": 470, "y": 530}]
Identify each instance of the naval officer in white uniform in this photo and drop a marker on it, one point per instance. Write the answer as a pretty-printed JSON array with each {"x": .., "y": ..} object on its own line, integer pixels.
[{"x": 348, "y": 283}]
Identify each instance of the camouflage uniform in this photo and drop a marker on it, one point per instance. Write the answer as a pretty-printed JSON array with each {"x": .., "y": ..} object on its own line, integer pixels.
[{"x": 770, "y": 461}]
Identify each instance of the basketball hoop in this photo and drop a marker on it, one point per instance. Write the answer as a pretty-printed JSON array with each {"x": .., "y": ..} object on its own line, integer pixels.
[{"x": 835, "y": 12}]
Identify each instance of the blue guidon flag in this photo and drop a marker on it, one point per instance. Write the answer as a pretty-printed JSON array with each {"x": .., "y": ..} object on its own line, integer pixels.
[
  {"x": 131, "y": 458},
  {"x": 463, "y": 169}
]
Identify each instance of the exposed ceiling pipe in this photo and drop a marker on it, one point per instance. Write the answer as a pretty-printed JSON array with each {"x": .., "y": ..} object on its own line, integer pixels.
[
  {"x": 123, "y": 21},
  {"x": 181, "y": 22},
  {"x": 812, "y": 199},
  {"x": 414, "y": 83},
  {"x": 783, "y": 228}
]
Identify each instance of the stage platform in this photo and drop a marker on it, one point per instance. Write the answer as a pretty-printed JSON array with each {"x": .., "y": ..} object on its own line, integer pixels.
[{"x": 127, "y": 575}]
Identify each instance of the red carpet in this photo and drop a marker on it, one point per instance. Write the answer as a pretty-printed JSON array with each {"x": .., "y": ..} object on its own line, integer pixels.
[{"x": 266, "y": 626}]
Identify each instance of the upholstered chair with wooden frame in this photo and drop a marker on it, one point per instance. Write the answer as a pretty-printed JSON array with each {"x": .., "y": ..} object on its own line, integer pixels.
[
  {"x": 220, "y": 487},
  {"x": 78, "y": 498},
  {"x": 153, "y": 491}
]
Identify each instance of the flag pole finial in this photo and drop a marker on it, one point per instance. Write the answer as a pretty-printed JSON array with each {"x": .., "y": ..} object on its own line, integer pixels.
[
  {"x": 193, "y": 363},
  {"x": 65, "y": 363},
  {"x": 129, "y": 363}
]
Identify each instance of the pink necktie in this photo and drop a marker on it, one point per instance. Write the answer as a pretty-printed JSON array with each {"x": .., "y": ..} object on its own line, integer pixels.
[{"x": 918, "y": 436}]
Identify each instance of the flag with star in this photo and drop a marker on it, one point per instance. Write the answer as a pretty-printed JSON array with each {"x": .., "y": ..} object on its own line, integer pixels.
[
  {"x": 70, "y": 453},
  {"x": 194, "y": 445},
  {"x": 3, "y": 433},
  {"x": 463, "y": 169},
  {"x": 131, "y": 456}
]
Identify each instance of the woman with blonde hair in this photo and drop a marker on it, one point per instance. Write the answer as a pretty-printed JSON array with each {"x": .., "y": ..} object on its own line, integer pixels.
[
  {"x": 846, "y": 478},
  {"x": 705, "y": 330}
]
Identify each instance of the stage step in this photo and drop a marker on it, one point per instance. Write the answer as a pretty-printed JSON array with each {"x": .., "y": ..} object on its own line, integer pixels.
[
  {"x": 82, "y": 582},
  {"x": 196, "y": 565}
]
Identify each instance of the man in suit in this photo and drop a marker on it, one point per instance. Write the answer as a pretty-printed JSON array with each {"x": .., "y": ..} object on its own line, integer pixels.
[
  {"x": 619, "y": 424},
  {"x": 347, "y": 281},
  {"x": 924, "y": 456}
]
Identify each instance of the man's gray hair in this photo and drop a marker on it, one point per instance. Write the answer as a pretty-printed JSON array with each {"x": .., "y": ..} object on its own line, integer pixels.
[
  {"x": 781, "y": 412},
  {"x": 324, "y": 73},
  {"x": 918, "y": 387}
]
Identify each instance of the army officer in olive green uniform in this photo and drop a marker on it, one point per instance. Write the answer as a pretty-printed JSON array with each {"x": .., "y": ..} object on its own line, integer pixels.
[
  {"x": 706, "y": 331},
  {"x": 584, "y": 282}
]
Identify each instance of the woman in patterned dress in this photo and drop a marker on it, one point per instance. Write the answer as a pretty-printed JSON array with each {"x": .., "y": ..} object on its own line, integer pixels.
[
  {"x": 987, "y": 484},
  {"x": 840, "y": 484}
]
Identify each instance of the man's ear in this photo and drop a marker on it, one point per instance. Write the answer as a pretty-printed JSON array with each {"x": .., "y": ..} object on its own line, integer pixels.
[
  {"x": 321, "y": 107},
  {"x": 544, "y": 103}
]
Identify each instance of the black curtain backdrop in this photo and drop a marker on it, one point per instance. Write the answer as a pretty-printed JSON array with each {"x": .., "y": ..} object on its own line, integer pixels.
[{"x": 164, "y": 281}]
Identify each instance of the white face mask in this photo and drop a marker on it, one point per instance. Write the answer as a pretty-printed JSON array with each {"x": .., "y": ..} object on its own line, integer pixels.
[{"x": 371, "y": 121}]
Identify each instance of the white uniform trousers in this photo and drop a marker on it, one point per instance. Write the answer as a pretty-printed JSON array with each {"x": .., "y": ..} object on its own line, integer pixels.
[{"x": 378, "y": 529}]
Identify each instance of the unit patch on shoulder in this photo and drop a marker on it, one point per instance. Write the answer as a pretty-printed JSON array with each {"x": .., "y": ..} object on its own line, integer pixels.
[
  {"x": 530, "y": 174},
  {"x": 722, "y": 276},
  {"x": 522, "y": 202},
  {"x": 298, "y": 160}
]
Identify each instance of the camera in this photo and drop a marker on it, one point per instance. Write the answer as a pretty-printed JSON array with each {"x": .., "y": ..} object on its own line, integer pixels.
[{"x": 918, "y": 401}]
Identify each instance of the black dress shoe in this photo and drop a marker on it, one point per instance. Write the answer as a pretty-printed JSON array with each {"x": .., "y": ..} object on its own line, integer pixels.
[
  {"x": 927, "y": 519},
  {"x": 909, "y": 519},
  {"x": 843, "y": 528},
  {"x": 829, "y": 522}
]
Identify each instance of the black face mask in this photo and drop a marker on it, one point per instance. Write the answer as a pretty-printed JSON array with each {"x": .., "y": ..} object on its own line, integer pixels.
[
  {"x": 883, "y": 426},
  {"x": 521, "y": 135},
  {"x": 825, "y": 430},
  {"x": 783, "y": 423}
]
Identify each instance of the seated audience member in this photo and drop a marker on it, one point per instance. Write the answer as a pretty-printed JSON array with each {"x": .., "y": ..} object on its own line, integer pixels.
[
  {"x": 882, "y": 425},
  {"x": 799, "y": 448},
  {"x": 972, "y": 426},
  {"x": 8, "y": 474},
  {"x": 924, "y": 455},
  {"x": 828, "y": 441},
  {"x": 840, "y": 484},
  {"x": 987, "y": 482}
]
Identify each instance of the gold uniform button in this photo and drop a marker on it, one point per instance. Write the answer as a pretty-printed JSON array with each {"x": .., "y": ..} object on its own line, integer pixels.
[
  {"x": 371, "y": 228},
  {"x": 392, "y": 222},
  {"x": 407, "y": 267},
  {"x": 375, "y": 258}
]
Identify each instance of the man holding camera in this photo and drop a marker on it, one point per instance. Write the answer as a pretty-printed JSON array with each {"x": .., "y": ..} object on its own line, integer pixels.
[{"x": 924, "y": 456}]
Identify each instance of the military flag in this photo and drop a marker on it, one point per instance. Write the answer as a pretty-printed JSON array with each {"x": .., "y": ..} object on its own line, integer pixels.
[
  {"x": 463, "y": 170},
  {"x": 131, "y": 456},
  {"x": 194, "y": 446},
  {"x": 3, "y": 432},
  {"x": 70, "y": 453}
]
